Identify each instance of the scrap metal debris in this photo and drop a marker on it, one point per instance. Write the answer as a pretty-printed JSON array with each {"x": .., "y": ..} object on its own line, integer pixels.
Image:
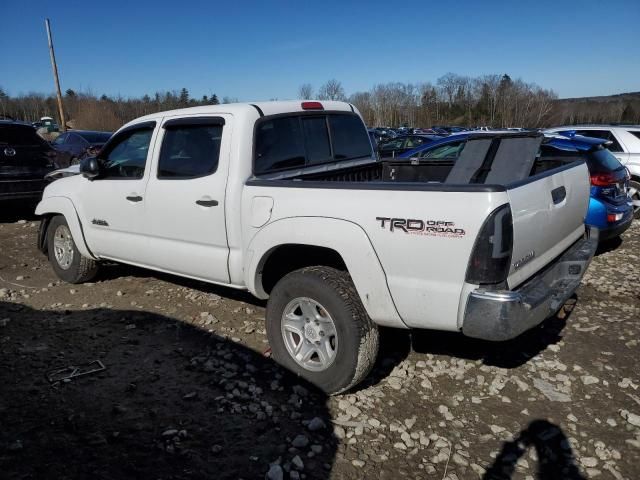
[{"x": 67, "y": 373}]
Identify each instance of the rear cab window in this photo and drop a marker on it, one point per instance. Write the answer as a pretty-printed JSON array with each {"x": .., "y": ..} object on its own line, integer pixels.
[{"x": 300, "y": 140}]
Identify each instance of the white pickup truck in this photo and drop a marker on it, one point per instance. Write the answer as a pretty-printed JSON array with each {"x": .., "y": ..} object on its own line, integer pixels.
[{"x": 287, "y": 200}]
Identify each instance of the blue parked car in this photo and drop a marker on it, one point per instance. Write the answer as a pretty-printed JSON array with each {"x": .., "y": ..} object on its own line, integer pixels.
[{"x": 610, "y": 208}]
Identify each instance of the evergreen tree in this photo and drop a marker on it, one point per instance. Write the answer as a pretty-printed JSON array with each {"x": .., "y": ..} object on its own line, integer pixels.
[
  {"x": 184, "y": 97},
  {"x": 214, "y": 100}
]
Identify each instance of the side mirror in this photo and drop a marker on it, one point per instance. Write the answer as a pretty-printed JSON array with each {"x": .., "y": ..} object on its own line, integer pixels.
[{"x": 90, "y": 167}]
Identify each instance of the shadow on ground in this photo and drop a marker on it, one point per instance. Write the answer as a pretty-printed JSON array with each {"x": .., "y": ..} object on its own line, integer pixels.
[
  {"x": 509, "y": 354},
  {"x": 555, "y": 456},
  {"x": 173, "y": 403},
  {"x": 608, "y": 245},
  {"x": 14, "y": 210},
  {"x": 397, "y": 344}
]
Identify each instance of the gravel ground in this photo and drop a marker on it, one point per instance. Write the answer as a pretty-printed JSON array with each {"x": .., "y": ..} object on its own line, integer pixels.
[{"x": 188, "y": 391}]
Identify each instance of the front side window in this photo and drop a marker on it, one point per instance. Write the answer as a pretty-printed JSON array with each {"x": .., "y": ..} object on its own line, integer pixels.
[
  {"x": 413, "y": 142},
  {"x": 301, "y": 140},
  {"x": 190, "y": 151},
  {"x": 448, "y": 151},
  {"x": 126, "y": 156},
  {"x": 393, "y": 144}
]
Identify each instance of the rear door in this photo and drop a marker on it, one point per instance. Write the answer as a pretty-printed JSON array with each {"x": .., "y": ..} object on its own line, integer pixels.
[{"x": 185, "y": 220}]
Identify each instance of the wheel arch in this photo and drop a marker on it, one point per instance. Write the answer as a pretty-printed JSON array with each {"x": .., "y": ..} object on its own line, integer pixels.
[
  {"x": 52, "y": 206},
  {"x": 306, "y": 241}
]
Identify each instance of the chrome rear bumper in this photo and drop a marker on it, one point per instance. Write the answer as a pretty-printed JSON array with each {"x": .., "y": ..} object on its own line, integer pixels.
[{"x": 499, "y": 315}]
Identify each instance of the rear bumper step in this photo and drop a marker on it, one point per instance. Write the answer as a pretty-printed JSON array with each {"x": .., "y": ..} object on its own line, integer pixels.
[{"x": 504, "y": 314}]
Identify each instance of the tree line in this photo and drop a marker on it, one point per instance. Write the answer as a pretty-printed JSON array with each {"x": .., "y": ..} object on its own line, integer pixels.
[
  {"x": 495, "y": 100},
  {"x": 89, "y": 112},
  {"x": 489, "y": 100}
]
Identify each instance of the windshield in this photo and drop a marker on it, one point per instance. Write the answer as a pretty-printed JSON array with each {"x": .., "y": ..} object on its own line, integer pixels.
[{"x": 95, "y": 137}]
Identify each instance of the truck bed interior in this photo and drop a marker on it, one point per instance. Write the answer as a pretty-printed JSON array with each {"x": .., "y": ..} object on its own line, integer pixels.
[{"x": 500, "y": 159}]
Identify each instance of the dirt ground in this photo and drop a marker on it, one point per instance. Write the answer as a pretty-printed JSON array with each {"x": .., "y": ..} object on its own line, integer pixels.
[{"x": 187, "y": 392}]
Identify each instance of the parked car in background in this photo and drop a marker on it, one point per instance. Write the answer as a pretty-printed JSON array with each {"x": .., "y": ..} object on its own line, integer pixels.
[
  {"x": 377, "y": 137},
  {"x": 74, "y": 145},
  {"x": 449, "y": 129},
  {"x": 424, "y": 131},
  {"x": 625, "y": 145},
  {"x": 610, "y": 208},
  {"x": 386, "y": 132},
  {"x": 25, "y": 158},
  {"x": 403, "y": 143}
]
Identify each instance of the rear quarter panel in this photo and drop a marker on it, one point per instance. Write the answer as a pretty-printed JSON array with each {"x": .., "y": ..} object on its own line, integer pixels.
[{"x": 424, "y": 269}]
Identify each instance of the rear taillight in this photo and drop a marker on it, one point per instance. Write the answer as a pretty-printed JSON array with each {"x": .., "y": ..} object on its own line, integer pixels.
[
  {"x": 614, "y": 217},
  {"x": 603, "y": 179},
  {"x": 491, "y": 255}
]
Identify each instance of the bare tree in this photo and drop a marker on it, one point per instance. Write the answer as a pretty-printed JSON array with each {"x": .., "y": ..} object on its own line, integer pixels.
[
  {"x": 332, "y": 90},
  {"x": 305, "y": 92}
]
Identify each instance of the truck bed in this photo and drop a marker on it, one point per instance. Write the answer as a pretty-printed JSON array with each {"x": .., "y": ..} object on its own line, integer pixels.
[{"x": 435, "y": 171}]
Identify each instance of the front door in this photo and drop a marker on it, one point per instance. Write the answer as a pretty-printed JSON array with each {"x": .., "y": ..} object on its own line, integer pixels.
[
  {"x": 112, "y": 207},
  {"x": 186, "y": 198}
]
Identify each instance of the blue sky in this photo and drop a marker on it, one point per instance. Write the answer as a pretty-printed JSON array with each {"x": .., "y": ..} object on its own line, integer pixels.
[{"x": 263, "y": 50}]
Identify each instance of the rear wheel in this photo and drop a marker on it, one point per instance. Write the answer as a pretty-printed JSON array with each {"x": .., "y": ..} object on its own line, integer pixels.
[
  {"x": 68, "y": 263},
  {"x": 318, "y": 328},
  {"x": 634, "y": 193}
]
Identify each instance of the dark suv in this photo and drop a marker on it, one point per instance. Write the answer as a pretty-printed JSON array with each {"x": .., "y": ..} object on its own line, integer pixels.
[{"x": 25, "y": 159}]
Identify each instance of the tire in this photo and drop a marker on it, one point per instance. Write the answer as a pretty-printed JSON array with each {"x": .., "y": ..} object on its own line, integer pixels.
[
  {"x": 69, "y": 265},
  {"x": 634, "y": 190},
  {"x": 331, "y": 297}
]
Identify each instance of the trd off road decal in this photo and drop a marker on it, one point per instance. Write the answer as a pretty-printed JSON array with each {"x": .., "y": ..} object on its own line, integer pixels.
[{"x": 432, "y": 228}]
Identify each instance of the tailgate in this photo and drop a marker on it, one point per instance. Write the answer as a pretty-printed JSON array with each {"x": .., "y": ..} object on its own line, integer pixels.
[{"x": 548, "y": 216}]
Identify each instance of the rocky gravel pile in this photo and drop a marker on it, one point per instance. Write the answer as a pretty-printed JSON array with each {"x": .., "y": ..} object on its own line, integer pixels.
[{"x": 189, "y": 390}]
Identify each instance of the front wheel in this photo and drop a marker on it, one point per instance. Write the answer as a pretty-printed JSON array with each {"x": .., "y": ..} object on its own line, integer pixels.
[
  {"x": 318, "y": 328},
  {"x": 67, "y": 262}
]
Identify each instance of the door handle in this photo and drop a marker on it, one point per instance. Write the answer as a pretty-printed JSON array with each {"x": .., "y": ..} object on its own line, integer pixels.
[
  {"x": 207, "y": 203},
  {"x": 134, "y": 198},
  {"x": 558, "y": 195}
]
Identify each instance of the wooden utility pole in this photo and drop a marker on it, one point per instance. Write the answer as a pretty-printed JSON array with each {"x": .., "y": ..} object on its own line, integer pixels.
[{"x": 63, "y": 127}]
